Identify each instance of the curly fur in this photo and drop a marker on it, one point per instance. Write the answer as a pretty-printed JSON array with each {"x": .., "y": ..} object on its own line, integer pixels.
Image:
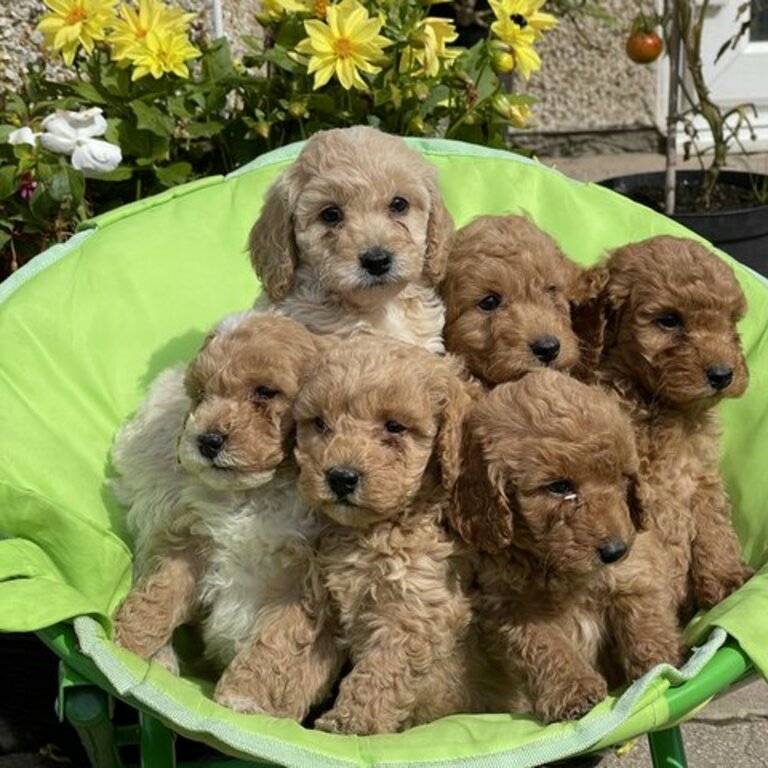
[
  {"x": 549, "y": 480},
  {"x": 661, "y": 375},
  {"x": 392, "y": 580},
  {"x": 311, "y": 270},
  {"x": 536, "y": 293},
  {"x": 215, "y": 536}
]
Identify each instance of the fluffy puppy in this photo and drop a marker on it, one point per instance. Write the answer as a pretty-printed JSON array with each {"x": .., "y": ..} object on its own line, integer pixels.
[
  {"x": 549, "y": 489},
  {"x": 672, "y": 351},
  {"x": 515, "y": 303},
  {"x": 378, "y": 430},
  {"x": 207, "y": 475},
  {"x": 354, "y": 236}
]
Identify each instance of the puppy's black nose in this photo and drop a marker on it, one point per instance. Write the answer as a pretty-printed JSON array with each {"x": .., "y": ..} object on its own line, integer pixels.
[
  {"x": 612, "y": 551},
  {"x": 342, "y": 480},
  {"x": 376, "y": 261},
  {"x": 210, "y": 443},
  {"x": 719, "y": 376},
  {"x": 547, "y": 348}
]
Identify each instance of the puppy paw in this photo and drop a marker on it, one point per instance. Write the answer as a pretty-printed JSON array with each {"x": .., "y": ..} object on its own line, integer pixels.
[
  {"x": 252, "y": 698},
  {"x": 571, "y": 703},
  {"x": 238, "y": 702},
  {"x": 167, "y": 659},
  {"x": 709, "y": 591},
  {"x": 340, "y": 720},
  {"x": 645, "y": 656}
]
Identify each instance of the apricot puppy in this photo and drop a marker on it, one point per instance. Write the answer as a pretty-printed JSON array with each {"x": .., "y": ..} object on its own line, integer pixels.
[
  {"x": 672, "y": 352},
  {"x": 515, "y": 303},
  {"x": 378, "y": 430},
  {"x": 569, "y": 580}
]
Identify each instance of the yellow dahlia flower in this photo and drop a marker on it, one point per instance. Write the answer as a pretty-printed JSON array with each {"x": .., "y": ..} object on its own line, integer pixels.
[
  {"x": 274, "y": 9},
  {"x": 163, "y": 50},
  {"x": 130, "y": 30},
  {"x": 429, "y": 47},
  {"x": 345, "y": 44},
  {"x": 527, "y": 13},
  {"x": 74, "y": 23}
]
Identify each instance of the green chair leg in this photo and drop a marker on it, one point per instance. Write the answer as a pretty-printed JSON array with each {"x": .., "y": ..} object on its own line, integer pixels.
[
  {"x": 667, "y": 748},
  {"x": 156, "y": 742},
  {"x": 86, "y": 708}
]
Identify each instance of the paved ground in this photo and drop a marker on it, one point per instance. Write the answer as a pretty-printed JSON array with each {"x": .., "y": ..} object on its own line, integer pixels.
[{"x": 731, "y": 732}]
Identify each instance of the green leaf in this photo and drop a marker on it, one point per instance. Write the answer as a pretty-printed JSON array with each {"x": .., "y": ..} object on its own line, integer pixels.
[
  {"x": 152, "y": 119},
  {"x": 42, "y": 206},
  {"x": 171, "y": 175},
  {"x": 59, "y": 188},
  {"x": 142, "y": 144},
  {"x": 116, "y": 81},
  {"x": 76, "y": 185},
  {"x": 280, "y": 58},
  {"x": 4, "y": 238},
  {"x": 7, "y": 181},
  {"x": 112, "y": 133},
  {"x": 5, "y": 132},
  {"x": 204, "y": 130},
  {"x": 86, "y": 91},
  {"x": 122, "y": 173},
  {"x": 216, "y": 62},
  {"x": 178, "y": 108}
]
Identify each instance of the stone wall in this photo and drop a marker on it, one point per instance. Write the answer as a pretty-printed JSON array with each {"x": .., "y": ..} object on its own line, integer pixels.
[
  {"x": 584, "y": 84},
  {"x": 586, "y": 81}
]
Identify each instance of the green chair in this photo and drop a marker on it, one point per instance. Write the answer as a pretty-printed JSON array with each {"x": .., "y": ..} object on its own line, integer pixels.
[{"x": 86, "y": 326}]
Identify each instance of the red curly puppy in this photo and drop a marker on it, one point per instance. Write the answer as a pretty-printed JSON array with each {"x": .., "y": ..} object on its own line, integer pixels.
[
  {"x": 569, "y": 588},
  {"x": 672, "y": 351},
  {"x": 515, "y": 303}
]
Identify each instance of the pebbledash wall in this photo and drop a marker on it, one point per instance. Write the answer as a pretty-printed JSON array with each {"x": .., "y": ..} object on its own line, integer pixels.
[{"x": 586, "y": 83}]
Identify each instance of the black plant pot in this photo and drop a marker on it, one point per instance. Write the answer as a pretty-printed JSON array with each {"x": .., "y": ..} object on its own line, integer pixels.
[{"x": 742, "y": 233}]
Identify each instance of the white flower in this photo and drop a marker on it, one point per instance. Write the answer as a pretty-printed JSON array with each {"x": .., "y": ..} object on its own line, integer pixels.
[
  {"x": 23, "y": 135},
  {"x": 73, "y": 133},
  {"x": 96, "y": 156}
]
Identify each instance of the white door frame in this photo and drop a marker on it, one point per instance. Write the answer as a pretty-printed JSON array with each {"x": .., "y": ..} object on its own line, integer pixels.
[{"x": 662, "y": 91}]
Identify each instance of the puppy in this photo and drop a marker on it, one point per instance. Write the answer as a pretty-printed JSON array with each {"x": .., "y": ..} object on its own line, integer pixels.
[
  {"x": 672, "y": 351},
  {"x": 354, "y": 236},
  {"x": 548, "y": 489},
  {"x": 515, "y": 303},
  {"x": 378, "y": 430},
  {"x": 207, "y": 475}
]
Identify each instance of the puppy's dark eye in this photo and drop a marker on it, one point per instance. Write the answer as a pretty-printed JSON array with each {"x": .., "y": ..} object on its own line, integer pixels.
[
  {"x": 332, "y": 214},
  {"x": 490, "y": 302},
  {"x": 320, "y": 425},
  {"x": 394, "y": 427},
  {"x": 264, "y": 393},
  {"x": 669, "y": 320},
  {"x": 560, "y": 487},
  {"x": 399, "y": 205},
  {"x": 551, "y": 288}
]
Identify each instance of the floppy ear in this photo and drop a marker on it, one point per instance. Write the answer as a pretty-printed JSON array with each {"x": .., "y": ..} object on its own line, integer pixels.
[
  {"x": 480, "y": 511},
  {"x": 440, "y": 232},
  {"x": 589, "y": 316},
  {"x": 636, "y": 504},
  {"x": 271, "y": 243},
  {"x": 455, "y": 402}
]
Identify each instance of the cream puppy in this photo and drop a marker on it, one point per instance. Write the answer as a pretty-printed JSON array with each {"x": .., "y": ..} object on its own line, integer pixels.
[
  {"x": 207, "y": 475},
  {"x": 354, "y": 236}
]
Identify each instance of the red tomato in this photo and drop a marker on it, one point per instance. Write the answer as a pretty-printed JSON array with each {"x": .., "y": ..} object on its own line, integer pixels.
[{"x": 643, "y": 47}]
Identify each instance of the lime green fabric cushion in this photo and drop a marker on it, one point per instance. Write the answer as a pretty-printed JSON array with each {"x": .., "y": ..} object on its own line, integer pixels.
[{"x": 87, "y": 325}]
